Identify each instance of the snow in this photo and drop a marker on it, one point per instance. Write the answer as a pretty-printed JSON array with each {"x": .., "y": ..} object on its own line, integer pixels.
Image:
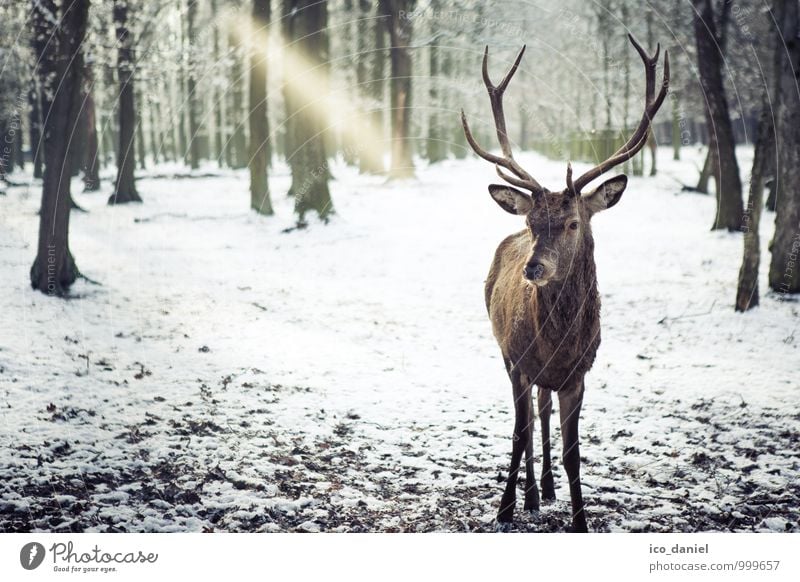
[{"x": 226, "y": 375}]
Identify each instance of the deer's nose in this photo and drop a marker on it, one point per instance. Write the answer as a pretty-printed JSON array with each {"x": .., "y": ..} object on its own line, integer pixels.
[{"x": 534, "y": 270}]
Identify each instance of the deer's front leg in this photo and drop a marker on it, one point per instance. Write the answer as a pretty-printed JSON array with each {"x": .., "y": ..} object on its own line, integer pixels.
[
  {"x": 545, "y": 405},
  {"x": 569, "y": 402},
  {"x": 531, "y": 490},
  {"x": 522, "y": 405}
]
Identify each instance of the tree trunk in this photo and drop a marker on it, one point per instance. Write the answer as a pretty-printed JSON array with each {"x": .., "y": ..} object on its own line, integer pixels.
[
  {"x": 653, "y": 146},
  {"x": 39, "y": 37},
  {"x": 259, "y": 134},
  {"x": 395, "y": 15},
  {"x": 140, "y": 143},
  {"x": 308, "y": 22},
  {"x": 238, "y": 144},
  {"x": 435, "y": 142},
  {"x": 54, "y": 269},
  {"x": 747, "y": 290},
  {"x": 218, "y": 95},
  {"x": 154, "y": 118},
  {"x": 707, "y": 170},
  {"x": 370, "y": 157},
  {"x": 784, "y": 271},
  {"x": 91, "y": 175},
  {"x": 709, "y": 58},
  {"x": 125, "y": 187},
  {"x": 191, "y": 86},
  {"x": 676, "y": 125}
]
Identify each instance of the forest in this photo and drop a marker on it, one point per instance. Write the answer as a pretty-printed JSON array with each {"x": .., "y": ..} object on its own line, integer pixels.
[{"x": 243, "y": 247}]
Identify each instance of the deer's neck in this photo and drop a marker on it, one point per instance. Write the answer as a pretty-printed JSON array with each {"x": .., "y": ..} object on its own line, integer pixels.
[{"x": 569, "y": 305}]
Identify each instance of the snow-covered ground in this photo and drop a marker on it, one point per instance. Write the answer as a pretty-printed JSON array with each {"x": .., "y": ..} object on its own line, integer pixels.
[{"x": 226, "y": 375}]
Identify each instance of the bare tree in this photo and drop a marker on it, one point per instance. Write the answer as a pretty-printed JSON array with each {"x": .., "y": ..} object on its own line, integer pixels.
[
  {"x": 61, "y": 70},
  {"x": 259, "y": 130},
  {"x": 125, "y": 186},
  {"x": 396, "y": 15},
  {"x": 307, "y": 24},
  {"x": 709, "y": 59},
  {"x": 784, "y": 273}
]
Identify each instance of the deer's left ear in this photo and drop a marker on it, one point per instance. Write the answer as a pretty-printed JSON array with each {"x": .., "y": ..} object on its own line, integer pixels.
[{"x": 607, "y": 194}]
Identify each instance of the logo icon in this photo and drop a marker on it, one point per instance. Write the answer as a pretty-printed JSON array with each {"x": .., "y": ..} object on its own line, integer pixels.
[{"x": 31, "y": 555}]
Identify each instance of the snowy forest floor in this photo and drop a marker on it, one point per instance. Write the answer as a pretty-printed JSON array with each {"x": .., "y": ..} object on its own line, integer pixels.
[{"x": 228, "y": 376}]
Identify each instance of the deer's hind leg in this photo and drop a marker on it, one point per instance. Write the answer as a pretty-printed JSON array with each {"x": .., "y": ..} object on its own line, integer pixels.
[{"x": 522, "y": 435}]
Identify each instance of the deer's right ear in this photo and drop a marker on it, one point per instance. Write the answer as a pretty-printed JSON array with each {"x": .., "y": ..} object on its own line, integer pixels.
[{"x": 510, "y": 199}]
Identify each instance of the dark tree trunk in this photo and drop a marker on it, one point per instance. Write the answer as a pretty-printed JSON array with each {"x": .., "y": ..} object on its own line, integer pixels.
[
  {"x": 91, "y": 175},
  {"x": 435, "y": 144},
  {"x": 287, "y": 26},
  {"x": 729, "y": 186},
  {"x": 238, "y": 144},
  {"x": 747, "y": 290},
  {"x": 125, "y": 186},
  {"x": 394, "y": 13},
  {"x": 140, "y": 144},
  {"x": 191, "y": 86},
  {"x": 259, "y": 131},
  {"x": 707, "y": 170},
  {"x": 308, "y": 22},
  {"x": 40, "y": 34},
  {"x": 35, "y": 131},
  {"x": 6, "y": 155},
  {"x": 676, "y": 124},
  {"x": 54, "y": 268},
  {"x": 784, "y": 270},
  {"x": 373, "y": 57},
  {"x": 156, "y": 142},
  {"x": 218, "y": 97},
  {"x": 458, "y": 142}
]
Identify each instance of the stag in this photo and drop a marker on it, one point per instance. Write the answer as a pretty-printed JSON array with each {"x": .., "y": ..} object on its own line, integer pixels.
[{"x": 541, "y": 292}]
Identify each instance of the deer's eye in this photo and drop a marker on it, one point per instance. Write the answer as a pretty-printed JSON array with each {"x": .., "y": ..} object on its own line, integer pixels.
[{"x": 573, "y": 225}]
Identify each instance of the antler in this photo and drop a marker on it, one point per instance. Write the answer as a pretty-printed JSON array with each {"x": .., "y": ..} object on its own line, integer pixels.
[
  {"x": 520, "y": 178},
  {"x": 651, "y": 106}
]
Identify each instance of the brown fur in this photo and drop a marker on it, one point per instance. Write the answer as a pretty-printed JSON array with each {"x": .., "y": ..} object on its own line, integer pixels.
[{"x": 552, "y": 332}]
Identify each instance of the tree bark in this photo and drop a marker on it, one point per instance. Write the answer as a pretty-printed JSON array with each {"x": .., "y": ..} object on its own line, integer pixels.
[
  {"x": 191, "y": 86},
  {"x": 125, "y": 186},
  {"x": 218, "y": 96},
  {"x": 310, "y": 173},
  {"x": 259, "y": 134},
  {"x": 54, "y": 269},
  {"x": 91, "y": 175},
  {"x": 41, "y": 30},
  {"x": 370, "y": 157},
  {"x": 729, "y": 186},
  {"x": 747, "y": 289},
  {"x": 141, "y": 153},
  {"x": 784, "y": 271},
  {"x": 395, "y": 13},
  {"x": 435, "y": 143},
  {"x": 238, "y": 144}
]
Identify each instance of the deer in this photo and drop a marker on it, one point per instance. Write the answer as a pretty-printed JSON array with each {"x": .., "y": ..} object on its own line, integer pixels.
[{"x": 541, "y": 291}]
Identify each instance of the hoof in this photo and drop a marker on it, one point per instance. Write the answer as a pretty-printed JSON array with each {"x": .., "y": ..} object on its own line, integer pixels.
[{"x": 502, "y": 526}]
